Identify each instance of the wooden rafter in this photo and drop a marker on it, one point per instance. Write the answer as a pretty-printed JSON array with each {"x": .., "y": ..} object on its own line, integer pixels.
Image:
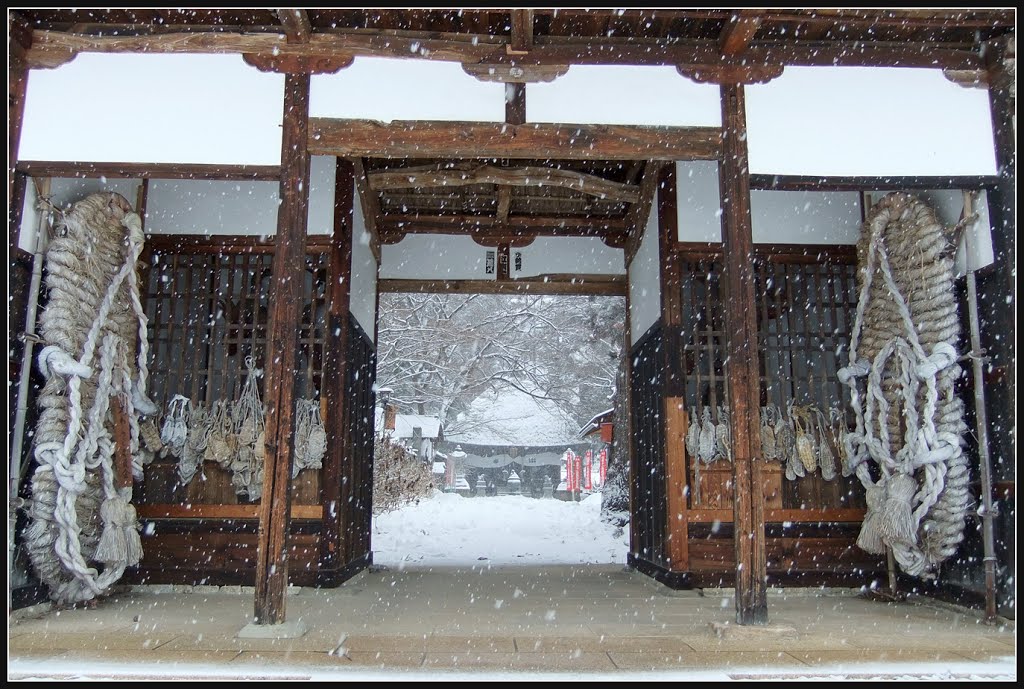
[
  {"x": 636, "y": 216},
  {"x": 370, "y": 203},
  {"x": 296, "y": 25},
  {"x": 529, "y": 176},
  {"x": 739, "y": 32},
  {"x": 400, "y": 139}
]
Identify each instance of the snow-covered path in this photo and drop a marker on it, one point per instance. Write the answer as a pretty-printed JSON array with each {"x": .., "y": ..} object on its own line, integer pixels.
[{"x": 448, "y": 529}]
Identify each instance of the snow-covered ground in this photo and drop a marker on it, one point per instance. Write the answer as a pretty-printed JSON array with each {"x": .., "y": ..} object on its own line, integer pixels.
[{"x": 448, "y": 529}]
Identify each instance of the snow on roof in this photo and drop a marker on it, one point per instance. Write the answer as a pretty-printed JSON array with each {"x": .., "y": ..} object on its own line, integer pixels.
[
  {"x": 513, "y": 417},
  {"x": 405, "y": 423},
  {"x": 595, "y": 422}
]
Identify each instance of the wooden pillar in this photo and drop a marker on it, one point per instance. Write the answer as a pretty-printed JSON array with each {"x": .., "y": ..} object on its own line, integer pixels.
[
  {"x": 743, "y": 377},
  {"x": 282, "y": 343},
  {"x": 19, "y": 40},
  {"x": 335, "y": 364},
  {"x": 515, "y": 103},
  {"x": 677, "y": 525},
  {"x": 1003, "y": 199}
]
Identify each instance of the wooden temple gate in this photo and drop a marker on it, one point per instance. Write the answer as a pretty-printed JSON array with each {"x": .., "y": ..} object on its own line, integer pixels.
[{"x": 742, "y": 526}]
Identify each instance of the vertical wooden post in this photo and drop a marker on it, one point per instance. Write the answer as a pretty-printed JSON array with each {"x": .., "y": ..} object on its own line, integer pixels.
[
  {"x": 743, "y": 376},
  {"x": 19, "y": 40},
  {"x": 677, "y": 526},
  {"x": 335, "y": 364},
  {"x": 515, "y": 103},
  {"x": 282, "y": 344}
]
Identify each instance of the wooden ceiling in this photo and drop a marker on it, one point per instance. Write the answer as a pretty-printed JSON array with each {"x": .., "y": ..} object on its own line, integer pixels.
[
  {"x": 951, "y": 27},
  {"x": 501, "y": 200}
]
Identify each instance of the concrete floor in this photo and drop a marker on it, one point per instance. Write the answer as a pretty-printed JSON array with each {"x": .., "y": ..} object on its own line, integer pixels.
[{"x": 556, "y": 619}]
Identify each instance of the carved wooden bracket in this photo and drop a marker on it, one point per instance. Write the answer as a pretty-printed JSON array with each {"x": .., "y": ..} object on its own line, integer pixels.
[
  {"x": 514, "y": 73},
  {"x": 968, "y": 78},
  {"x": 298, "y": 64},
  {"x": 730, "y": 73}
]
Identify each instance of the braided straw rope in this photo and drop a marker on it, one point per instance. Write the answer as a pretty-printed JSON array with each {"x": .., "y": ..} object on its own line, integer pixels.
[
  {"x": 92, "y": 325},
  {"x": 909, "y": 423}
]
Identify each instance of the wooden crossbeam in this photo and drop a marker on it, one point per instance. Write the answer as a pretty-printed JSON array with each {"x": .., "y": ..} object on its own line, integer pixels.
[
  {"x": 296, "y": 25},
  {"x": 490, "y": 231},
  {"x": 400, "y": 139},
  {"x": 53, "y": 47},
  {"x": 528, "y": 176}
]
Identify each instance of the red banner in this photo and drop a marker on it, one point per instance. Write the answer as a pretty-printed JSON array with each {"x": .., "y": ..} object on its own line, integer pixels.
[
  {"x": 603, "y": 471},
  {"x": 588, "y": 471}
]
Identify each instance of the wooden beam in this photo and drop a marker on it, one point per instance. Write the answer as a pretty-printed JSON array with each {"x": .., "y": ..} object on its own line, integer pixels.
[
  {"x": 296, "y": 25},
  {"x": 743, "y": 372},
  {"x": 51, "y": 46},
  {"x": 504, "y": 204},
  {"x": 527, "y": 176},
  {"x": 597, "y": 285},
  {"x": 833, "y": 515},
  {"x": 739, "y": 32},
  {"x": 521, "y": 32},
  {"x": 366, "y": 138},
  {"x": 636, "y": 216},
  {"x": 487, "y": 231},
  {"x": 813, "y": 183},
  {"x": 515, "y": 103},
  {"x": 370, "y": 203},
  {"x": 282, "y": 342},
  {"x": 211, "y": 512},
  {"x": 72, "y": 169},
  {"x": 335, "y": 371}
]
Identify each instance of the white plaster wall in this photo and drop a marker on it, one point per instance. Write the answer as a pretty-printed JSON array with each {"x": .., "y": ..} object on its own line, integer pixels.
[
  {"x": 387, "y": 89},
  {"x": 645, "y": 281},
  {"x": 172, "y": 108},
  {"x": 868, "y": 121},
  {"x": 363, "y": 296},
  {"x": 27, "y": 233},
  {"x": 805, "y": 217},
  {"x": 207, "y": 207},
  {"x": 568, "y": 255},
  {"x": 435, "y": 257},
  {"x": 608, "y": 94},
  {"x": 211, "y": 207},
  {"x": 698, "y": 208}
]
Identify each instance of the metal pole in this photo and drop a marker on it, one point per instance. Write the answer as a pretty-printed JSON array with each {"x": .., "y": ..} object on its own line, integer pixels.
[
  {"x": 981, "y": 418},
  {"x": 42, "y": 186}
]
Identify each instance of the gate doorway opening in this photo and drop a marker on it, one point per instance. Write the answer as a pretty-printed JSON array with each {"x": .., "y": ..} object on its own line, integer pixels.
[{"x": 485, "y": 454}]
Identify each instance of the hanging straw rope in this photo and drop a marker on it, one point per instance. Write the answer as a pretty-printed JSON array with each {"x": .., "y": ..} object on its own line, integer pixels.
[
  {"x": 94, "y": 327},
  {"x": 902, "y": 369}
]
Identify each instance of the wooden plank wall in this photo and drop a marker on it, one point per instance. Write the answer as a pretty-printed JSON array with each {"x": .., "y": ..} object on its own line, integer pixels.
[
  {"x": 206, "y": 302},
  {"x": 806, "y": 301},
  {"x": 357, "y": 471},
  {"x": 648, "y": 457}
]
